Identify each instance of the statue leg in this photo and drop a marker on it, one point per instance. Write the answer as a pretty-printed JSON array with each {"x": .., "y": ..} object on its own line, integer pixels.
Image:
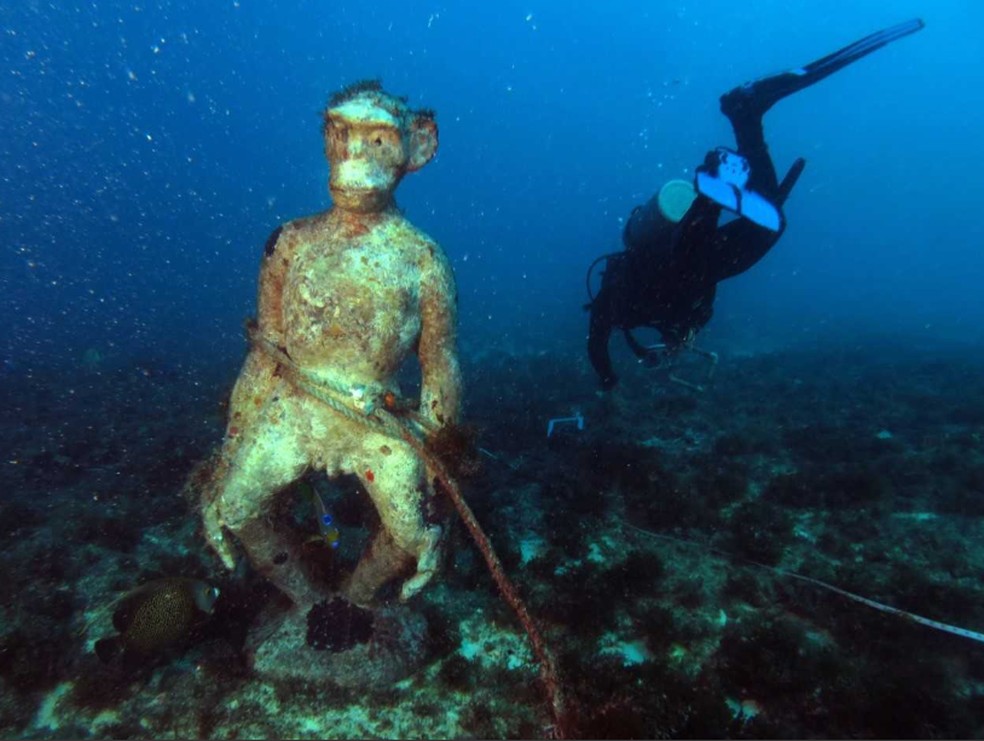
[
  {"x": 381, "y": 561},
  {"x": 410, "y": 531},
  {"x": 252, "y": 469}
]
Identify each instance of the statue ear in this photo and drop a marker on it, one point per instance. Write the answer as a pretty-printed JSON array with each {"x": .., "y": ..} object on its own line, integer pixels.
[{"x": 423, "y": 142}]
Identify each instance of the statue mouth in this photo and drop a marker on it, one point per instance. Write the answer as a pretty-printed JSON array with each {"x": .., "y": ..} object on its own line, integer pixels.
[
  {"x": 360, "y": 193},
  {"x": 355, "y": 189}
]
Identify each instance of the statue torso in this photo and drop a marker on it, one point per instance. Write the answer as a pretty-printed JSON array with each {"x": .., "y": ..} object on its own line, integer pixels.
[{"x": 351, "y": 296}]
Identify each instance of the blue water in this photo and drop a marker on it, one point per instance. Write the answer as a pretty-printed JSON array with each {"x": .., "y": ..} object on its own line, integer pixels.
[{"x": 149, "y": 149}]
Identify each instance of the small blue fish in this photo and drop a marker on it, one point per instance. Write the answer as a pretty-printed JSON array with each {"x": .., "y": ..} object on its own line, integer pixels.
[{"x": 327, "y": 532}]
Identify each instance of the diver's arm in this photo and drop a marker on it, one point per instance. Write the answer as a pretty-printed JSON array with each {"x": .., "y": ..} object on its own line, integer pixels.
[
  {"x": 599, "y": 332},
  {"x": 440, "y": 392},
  {"x": 688, "y": 317},
  {"x": 638, "y": 349}
]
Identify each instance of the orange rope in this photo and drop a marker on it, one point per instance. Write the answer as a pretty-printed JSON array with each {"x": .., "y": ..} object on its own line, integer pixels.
[
  {"x": 548, "y": 668},
  {"x": 562, "y": 718}
]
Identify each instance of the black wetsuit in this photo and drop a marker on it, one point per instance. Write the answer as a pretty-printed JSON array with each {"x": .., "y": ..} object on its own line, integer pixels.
[{"x": 667, "y": 276}]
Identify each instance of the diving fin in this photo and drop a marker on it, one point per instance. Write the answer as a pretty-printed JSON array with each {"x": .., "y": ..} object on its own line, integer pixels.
[
  {"x": 723, "y": 178},
  {"x": 758, "y": 96}
]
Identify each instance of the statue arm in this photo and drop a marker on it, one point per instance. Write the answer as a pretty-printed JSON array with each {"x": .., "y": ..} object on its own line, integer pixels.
[
  {"x": 259, "y": 371},
  {"x": 440, "y": 396},
  {"x": 273, "y": 272}
]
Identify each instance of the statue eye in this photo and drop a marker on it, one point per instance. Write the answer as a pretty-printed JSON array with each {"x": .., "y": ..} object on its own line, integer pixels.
[{"x": 378, "y": 141}]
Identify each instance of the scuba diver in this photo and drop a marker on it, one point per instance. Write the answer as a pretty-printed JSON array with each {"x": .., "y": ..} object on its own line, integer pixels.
[{"x": 676, "y": 252}]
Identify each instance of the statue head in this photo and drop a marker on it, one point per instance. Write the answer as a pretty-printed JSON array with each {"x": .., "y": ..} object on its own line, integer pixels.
[{"x": 372, "y": 139}]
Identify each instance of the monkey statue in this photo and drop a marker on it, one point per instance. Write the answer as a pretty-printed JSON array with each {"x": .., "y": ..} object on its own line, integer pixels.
[{"x": 345, "y": 297}]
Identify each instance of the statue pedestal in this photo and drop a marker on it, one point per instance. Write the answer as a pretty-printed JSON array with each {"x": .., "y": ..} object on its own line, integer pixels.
[{"x": 395, "y": 647}]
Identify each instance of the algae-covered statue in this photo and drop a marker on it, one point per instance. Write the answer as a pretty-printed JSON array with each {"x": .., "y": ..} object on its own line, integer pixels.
[{"x": 345, "y": 297}]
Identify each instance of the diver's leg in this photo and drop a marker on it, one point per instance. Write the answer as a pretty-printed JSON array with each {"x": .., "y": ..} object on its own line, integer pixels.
[
  {"x": 750, "y": 139},
  {"x": 746, "y": 104},
  {"x": 736, "y": 246},
  {"x": 760, "y": 95}
]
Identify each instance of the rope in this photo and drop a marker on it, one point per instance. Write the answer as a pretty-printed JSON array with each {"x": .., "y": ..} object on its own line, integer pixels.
[
  {"x": 881, "y": 607},
  {"x": 397, "y": 427},
  {"x": 339, "y": 398}
]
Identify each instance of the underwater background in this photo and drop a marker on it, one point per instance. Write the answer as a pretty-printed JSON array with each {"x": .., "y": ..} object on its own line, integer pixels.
[{"x": 149, "y": 150}]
